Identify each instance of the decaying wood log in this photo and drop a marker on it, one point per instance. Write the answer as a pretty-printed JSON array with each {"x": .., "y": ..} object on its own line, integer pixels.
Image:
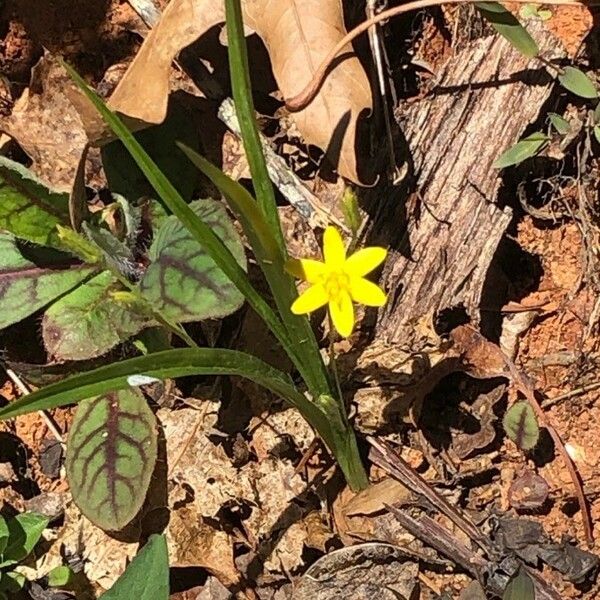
[
  {"x": 484, "y": 99},
  {"x": 444, "y": 237}
]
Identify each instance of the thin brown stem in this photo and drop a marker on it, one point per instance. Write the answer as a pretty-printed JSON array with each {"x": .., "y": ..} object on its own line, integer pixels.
[{"x": 307, "y": 95}]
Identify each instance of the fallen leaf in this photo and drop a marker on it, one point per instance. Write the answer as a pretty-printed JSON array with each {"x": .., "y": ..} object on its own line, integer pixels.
[
  {"x": 376, "y": 496},
  {"x": 195, "y": 543},
  {"x": 483, "y": 358},
  {"x": 528, "y": 492},
  {"x": 298, "y": 36},
  {"x": 47, "y": 126},
  {"x": 465, "y": 444},
  {"x": 268, "y": 488},
  {"x": 143, "y": 93}
]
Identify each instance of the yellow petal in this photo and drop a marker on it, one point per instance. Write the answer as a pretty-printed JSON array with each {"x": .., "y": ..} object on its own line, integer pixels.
[
  {"x": 333, "y": 248},
  {"x": 365, "y": 260},
  {"x": 306, "y": 268},
  {"x": 342, "y": 314},
  {"x": 366, "y": 292},
  {"x": 311, "y": 299}
]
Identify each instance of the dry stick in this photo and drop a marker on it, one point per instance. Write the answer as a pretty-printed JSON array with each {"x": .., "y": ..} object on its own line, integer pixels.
[
  {"x": 588, "y": 387},
  {"x": 305, "y": 97},
  {"x": 45, "y": 416}
]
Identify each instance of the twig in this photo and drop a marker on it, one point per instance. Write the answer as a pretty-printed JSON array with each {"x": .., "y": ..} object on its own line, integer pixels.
[
  {"x": 305, "y": 97},
  {"x": 589, "y": 387},
  {"x": 384, "y": 456},
  {"x": 45, "y": 416}
]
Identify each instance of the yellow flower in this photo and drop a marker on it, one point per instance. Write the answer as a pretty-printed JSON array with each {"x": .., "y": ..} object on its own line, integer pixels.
[{"x": 338, "y": 281}]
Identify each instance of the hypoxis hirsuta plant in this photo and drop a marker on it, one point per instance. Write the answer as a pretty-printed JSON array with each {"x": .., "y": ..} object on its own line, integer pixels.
[{"x": 338, "y": 282}]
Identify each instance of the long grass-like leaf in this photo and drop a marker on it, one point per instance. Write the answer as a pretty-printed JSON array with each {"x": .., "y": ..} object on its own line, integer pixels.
[
  {"x": 244, "y": 106},
  {"x": 162, "y": 365},
  {"x": 281, "y": 284}
]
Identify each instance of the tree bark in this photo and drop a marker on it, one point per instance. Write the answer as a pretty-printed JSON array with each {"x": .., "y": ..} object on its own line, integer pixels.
[{"x": 485, "y": 98}]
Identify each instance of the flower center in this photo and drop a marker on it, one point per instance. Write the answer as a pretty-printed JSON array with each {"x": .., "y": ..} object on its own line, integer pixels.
[{"x": 336, "y": 283}]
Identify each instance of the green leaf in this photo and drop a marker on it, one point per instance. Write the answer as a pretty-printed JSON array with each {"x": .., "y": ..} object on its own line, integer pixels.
[
  {"x": 351, "y": 211},
  {"x": 183, "y": 282},
  {"x": 12, "y": 582},
  {"x": 90, "y": 320},
  {"x": 165, "y": 365},
  {"x": 125, "y": 177},
  {"x": 60, "y": 576},
  {"x": 25, "y": 530},
  {"x": 507, "y": 25},
  {"x": 28, "y": 209},
  {"x": 110, "y": 457},
  {"x": 201, "y": 232},
  {"x": 520, "y": 587},
  {"x": 28, "y": 284},
  {"x": 577, "y": 82},
  {"x": 522, "y": 150},
  {"x": 521, "y": 425},
  {"x": 4, "y": 533},
  {"x": 147, "y": 577},
  {"x": 597, "y": 133},
  {"x": 559, "y": 123},
  {"x": 303, "y": 350},
  {"x": 597, "y": 114}
]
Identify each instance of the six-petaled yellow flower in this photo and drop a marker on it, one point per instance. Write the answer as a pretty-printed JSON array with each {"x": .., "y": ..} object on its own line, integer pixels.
[{"x": 338, "y": 281}]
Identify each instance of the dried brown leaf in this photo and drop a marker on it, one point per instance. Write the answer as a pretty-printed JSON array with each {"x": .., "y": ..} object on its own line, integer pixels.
[
  {"x": 299, "y": 34},
  {"x": 143, "y": 93},
  {"x": 47, "y": 126},
  {"x": 376, "y": 496},
  {"x": 195, "y": 543}
]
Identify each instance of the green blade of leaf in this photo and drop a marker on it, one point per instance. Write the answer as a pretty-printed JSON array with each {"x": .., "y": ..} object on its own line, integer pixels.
[
  {"x": 507, "y": 25},
  {"x": 577, "y": 82},
  {"x": 521, "y": 425},
  {"x": 90, "y": 320},
  {"x": 520, "y": 587},
  {"x": 203, "y": 234},
  {"x": 305, "y": 350},
  {"x": 597, "y": 114},
  {"x": 4, "y": 533},
  {"x": 28, "y": 209},
  {"x": 110, "y": 457},
  {"x": 597, "y": 133},
  {"x": 146, "y": 577},
  {"x": 244, "y": 106},
  {"x": 522, "y": 150},
  {"x": 25, "y": 530},
  {"x": 182, "y": 282},
  {"x": 162, "y": 365},
  {"x": 282, "y": 285},
  {"x": 28, "y": 284},
  {"x": 60, "y": 576},
  {"x": 559, "y": 123}
]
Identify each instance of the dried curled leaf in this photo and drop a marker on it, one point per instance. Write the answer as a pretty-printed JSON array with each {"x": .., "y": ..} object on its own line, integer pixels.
[{"x": 298, "y": 37}]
